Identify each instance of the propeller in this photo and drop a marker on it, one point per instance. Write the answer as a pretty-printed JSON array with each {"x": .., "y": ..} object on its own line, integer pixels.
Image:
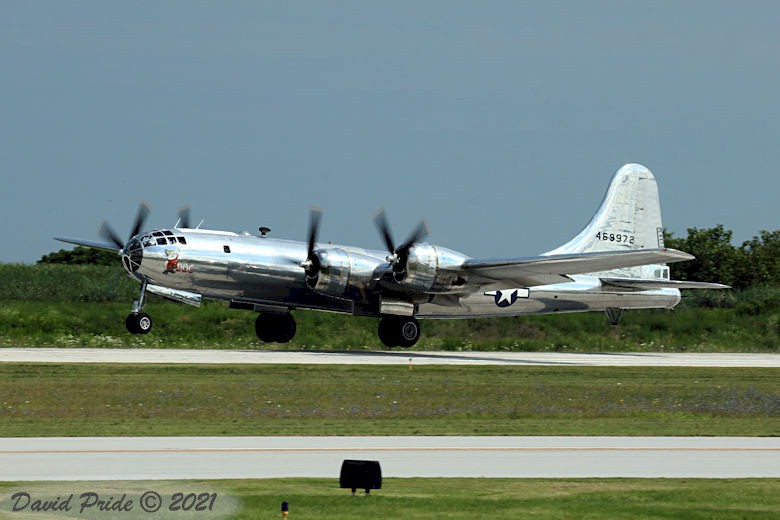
[
  {"x": 399, "y": 256},
  {"x": 184, "y": 217},
  {"x": 140, "y": 218},
  {"x": 312, "y": 263},
  {"x": 107, "y": 233}
]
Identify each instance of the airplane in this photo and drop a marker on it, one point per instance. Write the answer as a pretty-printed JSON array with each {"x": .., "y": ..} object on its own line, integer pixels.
[{"x": 617, "y": 262}]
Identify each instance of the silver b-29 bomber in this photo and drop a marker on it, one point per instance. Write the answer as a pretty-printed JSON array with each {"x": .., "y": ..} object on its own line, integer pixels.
[{"x": 618, "y": 261}]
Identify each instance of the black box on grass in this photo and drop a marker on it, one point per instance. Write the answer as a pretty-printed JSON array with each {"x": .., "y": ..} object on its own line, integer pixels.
[{"x": 360, "y": 474}]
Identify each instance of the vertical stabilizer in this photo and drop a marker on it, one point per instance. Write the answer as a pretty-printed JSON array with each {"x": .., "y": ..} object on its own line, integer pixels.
[{"x": 629, "y": 216}]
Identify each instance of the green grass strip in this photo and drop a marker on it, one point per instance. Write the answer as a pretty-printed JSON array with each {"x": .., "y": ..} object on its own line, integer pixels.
[
  {"x": 466, "y": 499},
  {"x": 113, "y": 400}
]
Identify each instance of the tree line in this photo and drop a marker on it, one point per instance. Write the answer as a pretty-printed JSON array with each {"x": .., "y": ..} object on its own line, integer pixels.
[{"x": 753, "y": 264}]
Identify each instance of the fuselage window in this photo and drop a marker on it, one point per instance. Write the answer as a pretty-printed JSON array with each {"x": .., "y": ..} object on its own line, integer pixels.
[{"x": 226, "y": 249}]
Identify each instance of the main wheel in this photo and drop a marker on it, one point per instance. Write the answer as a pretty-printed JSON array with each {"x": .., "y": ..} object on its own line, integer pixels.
[
  {"x": 399, "y": 331},
  {"x": 279, "y": 328},
  {"x": 264, "y": 328},
  {"x": 388, "y": 331},
  {"x": 285, "y": 328},
  {"x": 409, "y": 332}
]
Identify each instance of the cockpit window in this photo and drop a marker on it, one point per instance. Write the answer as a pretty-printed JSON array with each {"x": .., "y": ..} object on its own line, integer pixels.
[
  {"x": 149, "y": 239},
  {"x": 167, "y": 232}
]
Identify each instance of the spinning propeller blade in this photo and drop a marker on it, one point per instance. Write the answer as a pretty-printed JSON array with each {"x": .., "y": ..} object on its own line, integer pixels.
[
  {"x": 312, "y": 263},
  {"x": 184, "y": 217},
  {"x": 140, "y": 218},
  {"x": 108, "y": 234},
  {"x": 399, "y": 255}
]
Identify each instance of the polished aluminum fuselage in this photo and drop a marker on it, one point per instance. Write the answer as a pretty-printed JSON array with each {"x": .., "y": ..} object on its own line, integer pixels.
[{"x": 261, "y": 272}]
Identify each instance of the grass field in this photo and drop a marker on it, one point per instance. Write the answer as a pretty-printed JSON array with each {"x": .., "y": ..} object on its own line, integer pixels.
[
  {"x": 467, "y": 499},
  {"x": 85, "y": 400}
]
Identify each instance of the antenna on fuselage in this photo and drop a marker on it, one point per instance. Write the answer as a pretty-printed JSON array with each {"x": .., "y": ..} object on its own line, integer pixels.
[{"x": 201, "y": 223}]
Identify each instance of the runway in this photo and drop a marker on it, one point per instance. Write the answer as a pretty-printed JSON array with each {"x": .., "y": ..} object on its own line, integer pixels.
[
  {"x": 399, "y": 357},
  {"x": 151, "y": 458}
]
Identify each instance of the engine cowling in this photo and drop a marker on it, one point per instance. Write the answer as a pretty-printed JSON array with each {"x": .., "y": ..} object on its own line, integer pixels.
[
  {"x": 339, "y": 271},
  {"x": 431, "y": 268}
]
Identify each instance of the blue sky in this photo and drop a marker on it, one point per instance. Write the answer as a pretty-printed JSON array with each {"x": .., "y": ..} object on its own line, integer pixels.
[{"x": 500, "y": 123}]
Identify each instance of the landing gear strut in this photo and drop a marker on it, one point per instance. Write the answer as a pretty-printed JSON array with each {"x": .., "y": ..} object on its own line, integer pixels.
[
  {"x": 399, "y": 331},
  {"x": 138, "y": 322},
  {"x": 275, "y": 327},
  {"x": 614, "y": 315}
]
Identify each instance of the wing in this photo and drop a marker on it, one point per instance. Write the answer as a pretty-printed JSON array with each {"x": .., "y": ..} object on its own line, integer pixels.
[
  {"x": 551, "y": 269},
  {"x": 647, "y": 285},
  {"x": 89, "y": 243}
]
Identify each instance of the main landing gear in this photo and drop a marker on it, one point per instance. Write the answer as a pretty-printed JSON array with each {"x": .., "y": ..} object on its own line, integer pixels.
[
  {"x": 614, "y": 314},
  {"x": 399, "y": 331},
  {"x": 275, "y": 327},
  {"x": 138, "y": 322}
]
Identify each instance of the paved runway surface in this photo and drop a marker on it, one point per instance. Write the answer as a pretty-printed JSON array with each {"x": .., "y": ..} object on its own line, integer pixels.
[
  {"x": 146, "y": 458},
  {"x": 73, "y": 355}
]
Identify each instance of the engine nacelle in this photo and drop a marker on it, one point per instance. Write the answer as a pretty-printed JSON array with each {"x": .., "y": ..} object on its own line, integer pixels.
[
  {"x": 433, "y": 269},
  {"x": 339, "y": 270}
]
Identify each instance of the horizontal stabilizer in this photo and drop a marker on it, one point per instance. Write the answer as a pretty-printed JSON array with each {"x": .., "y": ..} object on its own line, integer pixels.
[
  {"x": 551, "y": 269},
  {"x": 106, "y": 246},
  {"x": 648, "y": 285}
]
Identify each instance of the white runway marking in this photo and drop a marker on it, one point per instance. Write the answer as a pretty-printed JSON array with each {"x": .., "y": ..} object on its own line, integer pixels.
[{"x": 400, "y": 357}]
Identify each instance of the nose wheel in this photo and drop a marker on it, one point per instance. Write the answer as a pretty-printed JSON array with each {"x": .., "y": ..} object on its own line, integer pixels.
[{"x": 138, "y": 323}]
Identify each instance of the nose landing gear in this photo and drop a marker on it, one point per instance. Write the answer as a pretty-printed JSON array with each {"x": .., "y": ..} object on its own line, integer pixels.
[{"x": 138, "y": 322}]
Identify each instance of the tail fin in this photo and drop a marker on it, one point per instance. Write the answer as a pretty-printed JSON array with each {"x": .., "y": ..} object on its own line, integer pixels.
[{"x": 629, "y": 216}]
